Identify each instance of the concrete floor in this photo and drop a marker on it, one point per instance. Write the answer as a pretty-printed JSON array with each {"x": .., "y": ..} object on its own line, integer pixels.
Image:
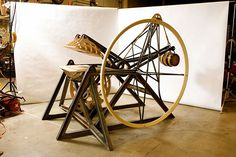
[{"x": 194, "y": 132}]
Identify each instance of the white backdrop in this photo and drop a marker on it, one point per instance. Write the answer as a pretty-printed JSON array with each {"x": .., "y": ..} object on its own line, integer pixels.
[
  {"x": 203, "y": 28},
  {"x": 43, "y": 30}
]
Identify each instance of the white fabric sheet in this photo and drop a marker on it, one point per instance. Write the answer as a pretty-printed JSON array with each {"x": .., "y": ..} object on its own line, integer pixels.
[
  {"x": 43, "y": 30},
  {"x": 203, "y": 28}
]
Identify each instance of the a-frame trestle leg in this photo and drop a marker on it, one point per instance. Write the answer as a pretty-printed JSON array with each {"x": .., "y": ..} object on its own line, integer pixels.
[
  {"x": 100, "y": 132},
  {"x": 47, "y": 115}
]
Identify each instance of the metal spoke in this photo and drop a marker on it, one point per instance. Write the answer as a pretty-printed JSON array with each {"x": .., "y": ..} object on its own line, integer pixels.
[{"x": 139, "y": 36}]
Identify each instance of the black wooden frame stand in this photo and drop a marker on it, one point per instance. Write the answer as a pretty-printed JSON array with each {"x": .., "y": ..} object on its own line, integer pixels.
[{"x": 100, "y": 131}]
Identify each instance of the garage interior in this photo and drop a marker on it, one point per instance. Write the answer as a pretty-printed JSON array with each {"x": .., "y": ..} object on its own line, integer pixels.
[{"x": 195, "y": 130}]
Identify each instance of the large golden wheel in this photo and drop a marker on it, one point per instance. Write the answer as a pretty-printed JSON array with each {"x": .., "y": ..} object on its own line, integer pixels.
[{"x": 151, "y": 69}]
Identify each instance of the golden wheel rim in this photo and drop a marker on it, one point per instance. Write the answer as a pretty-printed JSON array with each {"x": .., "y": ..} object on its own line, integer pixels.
[{"x": 182, "y": 89}]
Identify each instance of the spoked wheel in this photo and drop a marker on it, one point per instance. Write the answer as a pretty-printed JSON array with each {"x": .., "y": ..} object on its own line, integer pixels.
[{"x": 150, "y": 68}]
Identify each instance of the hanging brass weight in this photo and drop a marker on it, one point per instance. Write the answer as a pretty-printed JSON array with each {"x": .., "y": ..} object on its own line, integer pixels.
[{"x": 169, "y": 59}]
